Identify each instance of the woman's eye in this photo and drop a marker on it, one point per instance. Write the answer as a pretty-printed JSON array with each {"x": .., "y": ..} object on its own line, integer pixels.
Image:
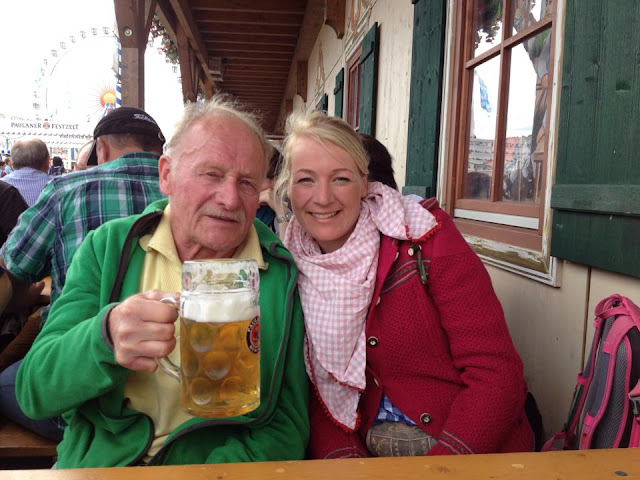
[
  {"x": 342, "y": 179},
  {"x": 304, "y": 180}
]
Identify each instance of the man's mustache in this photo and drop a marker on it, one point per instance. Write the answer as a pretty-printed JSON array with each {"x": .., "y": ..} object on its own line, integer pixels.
[{"x": 236, "y": 216}]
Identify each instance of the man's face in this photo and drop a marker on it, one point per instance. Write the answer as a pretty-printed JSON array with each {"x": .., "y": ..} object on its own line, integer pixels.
[{"x": 214, "y": 187}]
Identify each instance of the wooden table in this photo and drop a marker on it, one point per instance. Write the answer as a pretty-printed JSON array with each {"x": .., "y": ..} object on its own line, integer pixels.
[{"x": 582, "y": 465}]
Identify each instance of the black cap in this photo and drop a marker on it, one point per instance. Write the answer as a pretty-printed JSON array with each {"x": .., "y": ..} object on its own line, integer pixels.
[{"x": 124, "y": 120}]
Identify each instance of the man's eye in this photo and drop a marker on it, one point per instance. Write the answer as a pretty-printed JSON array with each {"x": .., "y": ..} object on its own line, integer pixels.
[{"x": 247, "y": 185}]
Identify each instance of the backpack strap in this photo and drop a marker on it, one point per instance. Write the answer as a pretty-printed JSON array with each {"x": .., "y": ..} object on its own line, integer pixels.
[{"x": 634, "y": 396}]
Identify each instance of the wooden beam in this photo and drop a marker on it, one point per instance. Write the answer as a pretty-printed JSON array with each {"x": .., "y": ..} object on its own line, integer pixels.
[
  {"x": 216, "y": 27},
  {"x": 257, "y": 92},
  {"x": 261, "y": 62},
  {"x": 235, "y": 69},
  {"x": 187, "y": 67},
  {"x": 334, "y": 16},
  {"x": 274, "y": 78},
  {"x": 265, "y": 84},
  {"x": 208, "y": 88},
  {"x": 219, "y": 48},
  {"x": 267, "y": 57},
  {"x": 301, "y": 80},
  {"x": 255, "y": 38},
  {"x": 134, "y": 22},
  {"x": 236, "y": 17},
  {"x": 185, "y": 18},
  {"x": 289, "y": 6}
]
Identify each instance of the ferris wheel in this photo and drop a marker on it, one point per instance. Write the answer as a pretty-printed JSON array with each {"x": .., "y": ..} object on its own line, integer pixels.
[{"x": 79, "y": 79}]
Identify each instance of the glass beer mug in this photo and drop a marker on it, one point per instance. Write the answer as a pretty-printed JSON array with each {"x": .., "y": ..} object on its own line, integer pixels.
[{"x": 219, "y": 338}]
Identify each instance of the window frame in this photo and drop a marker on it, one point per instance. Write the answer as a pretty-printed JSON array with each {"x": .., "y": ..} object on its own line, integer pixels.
[{"x": 475, "y": 216}]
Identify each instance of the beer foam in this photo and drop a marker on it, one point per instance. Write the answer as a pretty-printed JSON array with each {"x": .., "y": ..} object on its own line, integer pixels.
[{"x": 221, "y": 307}]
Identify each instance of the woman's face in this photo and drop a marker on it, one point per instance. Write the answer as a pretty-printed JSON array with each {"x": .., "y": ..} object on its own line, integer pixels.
[{"x": 326, "y": 189}]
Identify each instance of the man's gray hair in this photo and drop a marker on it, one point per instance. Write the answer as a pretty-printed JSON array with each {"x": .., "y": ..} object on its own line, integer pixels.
[
  {"x": 31, "y": 152},
  {"x": 219, "y": 105}
]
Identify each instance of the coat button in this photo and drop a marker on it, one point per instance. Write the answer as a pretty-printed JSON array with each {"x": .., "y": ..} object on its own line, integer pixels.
[
  {"x": 375, "y": 380},
  {"x": 372, "y": 341},
  {"x": 425, "y": 419},
  {"x": 411, "y": 251},
  {"x": 378, "y": 301}
]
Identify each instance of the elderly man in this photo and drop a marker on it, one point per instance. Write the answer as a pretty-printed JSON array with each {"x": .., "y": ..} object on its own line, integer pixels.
[
  {"x": 127, "y": 145},
  {"x": 31, "y": 166},
  {"x": 121, "y": 409}
]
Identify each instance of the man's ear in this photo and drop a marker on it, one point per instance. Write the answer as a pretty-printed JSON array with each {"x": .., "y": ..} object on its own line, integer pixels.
[
  {"x": 164, "y": 174},
  {"x": 103, "y": 150}
]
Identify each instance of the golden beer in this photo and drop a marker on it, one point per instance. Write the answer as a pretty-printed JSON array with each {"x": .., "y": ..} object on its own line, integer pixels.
[{"x": 220, "y": 367}]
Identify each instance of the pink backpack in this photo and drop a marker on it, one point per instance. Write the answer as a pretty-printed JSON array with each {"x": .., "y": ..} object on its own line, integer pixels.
[{"x": 608, "y": 389}]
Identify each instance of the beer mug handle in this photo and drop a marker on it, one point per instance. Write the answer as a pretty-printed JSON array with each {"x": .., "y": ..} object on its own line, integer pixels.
[{"x": 167, "y": 365}]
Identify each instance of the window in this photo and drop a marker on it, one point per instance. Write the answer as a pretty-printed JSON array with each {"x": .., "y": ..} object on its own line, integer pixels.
[
  {"x": 353, "y": 91},
  {"x": 502, "y": 74}
]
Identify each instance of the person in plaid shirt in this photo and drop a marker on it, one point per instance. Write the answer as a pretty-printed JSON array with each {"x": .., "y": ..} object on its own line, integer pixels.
[
  {"x": 406, "y": 343},
  {"x": 127, "y": 145}
]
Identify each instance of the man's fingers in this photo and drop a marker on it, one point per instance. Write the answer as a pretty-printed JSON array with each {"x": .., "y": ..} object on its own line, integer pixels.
[
  {"x": 159, "y": 295},
  {"x": 135, "y": 333},
  {"x": 143, "y": 364},
  {"x": 144, "y": 355}
]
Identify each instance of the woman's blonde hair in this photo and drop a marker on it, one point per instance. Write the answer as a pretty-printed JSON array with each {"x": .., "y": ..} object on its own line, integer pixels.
[{"x": 322, "y": 128}]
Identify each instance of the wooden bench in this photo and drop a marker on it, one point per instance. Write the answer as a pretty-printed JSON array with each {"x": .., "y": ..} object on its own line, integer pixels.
[{"x": 21, "y": 448}]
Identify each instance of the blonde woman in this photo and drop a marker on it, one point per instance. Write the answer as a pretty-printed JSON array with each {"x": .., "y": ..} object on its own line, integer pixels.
[{"x": 406, "y": 343}]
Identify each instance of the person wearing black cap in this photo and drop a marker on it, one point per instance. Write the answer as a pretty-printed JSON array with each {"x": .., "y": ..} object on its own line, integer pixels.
[
  {"x": 120, "y": 129},
  {"x": 127, "y": 145}
]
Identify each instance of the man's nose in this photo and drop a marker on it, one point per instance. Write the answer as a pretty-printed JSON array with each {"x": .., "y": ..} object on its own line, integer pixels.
[{"x": 229, "y": 194}]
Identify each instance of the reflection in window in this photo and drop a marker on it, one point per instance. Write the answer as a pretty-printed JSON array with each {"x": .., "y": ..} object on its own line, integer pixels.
[
  {"x": 527, "y": 108},
  {"x": 482, "y": 130},
  {"x": 525, "y": 13},
  {"x": 487, "y": 25}
]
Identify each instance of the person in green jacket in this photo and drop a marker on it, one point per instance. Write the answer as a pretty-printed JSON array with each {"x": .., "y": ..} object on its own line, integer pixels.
[{"x": 94, "y": 362}]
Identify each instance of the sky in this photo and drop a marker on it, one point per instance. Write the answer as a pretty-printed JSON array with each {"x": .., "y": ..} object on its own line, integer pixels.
[{"x": 68, "y": 84}]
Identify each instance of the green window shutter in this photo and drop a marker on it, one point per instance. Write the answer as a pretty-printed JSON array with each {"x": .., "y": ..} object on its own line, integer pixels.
[
  {"x": 596, "y": 196},
  {"x": 324, "y": 103},
  {"x": 338, "y": 92},
  {"x": 425, "y": 98},
  {"x": 369, "y": 81}
]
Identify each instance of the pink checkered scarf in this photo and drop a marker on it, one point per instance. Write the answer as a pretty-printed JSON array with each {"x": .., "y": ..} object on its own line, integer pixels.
[{"x": 336, "y": 290}]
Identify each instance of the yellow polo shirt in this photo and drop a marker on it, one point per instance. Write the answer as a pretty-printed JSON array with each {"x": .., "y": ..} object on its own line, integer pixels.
[{"x": 157, "y": 394}]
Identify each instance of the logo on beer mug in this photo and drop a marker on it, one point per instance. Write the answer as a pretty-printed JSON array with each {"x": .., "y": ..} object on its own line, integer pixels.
[{"x": 253, "y": 335}]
